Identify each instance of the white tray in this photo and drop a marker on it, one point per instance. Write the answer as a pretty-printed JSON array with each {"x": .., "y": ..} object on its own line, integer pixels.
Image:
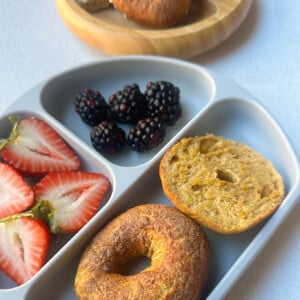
[{"x": 211, "y": 104}]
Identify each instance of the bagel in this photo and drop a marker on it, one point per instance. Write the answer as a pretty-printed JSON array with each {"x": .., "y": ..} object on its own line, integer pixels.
[
  {"x": 153, "y": 13},
  {"x": 222, "y": 184},
  {"x": 93, "y": 5},
  {"x": 176, "y": 245}
]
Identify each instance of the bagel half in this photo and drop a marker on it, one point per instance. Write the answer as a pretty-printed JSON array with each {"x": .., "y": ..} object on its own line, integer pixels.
[{"x": 222, "y": 184}]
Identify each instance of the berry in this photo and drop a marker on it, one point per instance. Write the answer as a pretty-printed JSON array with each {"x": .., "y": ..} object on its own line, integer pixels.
[
  {"x": 24, "y": 244},
  {"x": 108, "y": 138},
  {"x": 148, "y": 134},
  {"x": 163, "y": 101},
  {"x": 16, "y": 193},
  {"x": 92, "y": 107},
  {"x": 68, "y": 200},
  {"x": 35, "y": 148},
  {"x": 128, "y": 105}
]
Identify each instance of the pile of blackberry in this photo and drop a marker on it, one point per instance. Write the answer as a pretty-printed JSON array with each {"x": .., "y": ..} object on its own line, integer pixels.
[{"x": 150, "y": 113}]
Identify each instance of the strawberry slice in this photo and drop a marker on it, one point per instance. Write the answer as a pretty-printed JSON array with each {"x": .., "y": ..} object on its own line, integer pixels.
[
  {"x": 34, "y": 148},
  {"x": 16, "y": 194},
  {"x": 24, "y": 244},
  {"x": 69, "y": 199}
]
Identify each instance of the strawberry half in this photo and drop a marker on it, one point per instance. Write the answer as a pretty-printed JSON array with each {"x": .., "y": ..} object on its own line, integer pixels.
[
  {"x": 69, "y": 199},
  {"x": 16, "y": 193},
  {"x": 24, "y": 244},
  {"x": 35, "y": 148}
]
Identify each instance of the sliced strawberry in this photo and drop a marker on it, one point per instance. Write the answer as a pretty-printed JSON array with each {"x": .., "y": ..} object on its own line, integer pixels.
[
  {"x": 73, "y": 198},
  {"x": 24, "y": 243},
  {"x": 34, "y": 148},
  {"x": 16, "y": 193}
]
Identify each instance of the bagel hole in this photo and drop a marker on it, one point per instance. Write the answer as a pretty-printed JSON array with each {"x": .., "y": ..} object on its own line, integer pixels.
[
  {"x": 226, "y": 176},
  {"x": 136, "y": 265}
]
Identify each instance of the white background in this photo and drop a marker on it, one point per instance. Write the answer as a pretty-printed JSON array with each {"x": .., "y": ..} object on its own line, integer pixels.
[{"x": 263, "y": 56}]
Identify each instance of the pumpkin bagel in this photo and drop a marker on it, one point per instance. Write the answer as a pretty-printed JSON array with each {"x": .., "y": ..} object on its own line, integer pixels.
[
  {"x": 177, "y": 247},
  {"x": 222, "y": 184}
]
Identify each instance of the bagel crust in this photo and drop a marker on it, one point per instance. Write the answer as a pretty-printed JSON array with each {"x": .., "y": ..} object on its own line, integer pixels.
[
  {"x": 154, "y": 13},
  {"x": 176, "y": 245},
  {"x": 222, "y": 184}
]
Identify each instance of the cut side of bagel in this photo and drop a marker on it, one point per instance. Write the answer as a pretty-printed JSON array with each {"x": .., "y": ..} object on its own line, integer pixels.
[{"x": 224, "y": 185}]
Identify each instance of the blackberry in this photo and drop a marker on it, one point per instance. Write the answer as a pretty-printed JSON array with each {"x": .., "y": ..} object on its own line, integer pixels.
[
  {"x": 128, "y": 105},
  {"x": 108, "y": 138},
  {"x": 163, "y": 101},
  {"x": 92, "y": 107},
  {"x": 148, "y": 134}
]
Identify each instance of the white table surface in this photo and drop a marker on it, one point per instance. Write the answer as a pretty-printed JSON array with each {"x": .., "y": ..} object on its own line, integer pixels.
[{"x": 263, "y": 56}]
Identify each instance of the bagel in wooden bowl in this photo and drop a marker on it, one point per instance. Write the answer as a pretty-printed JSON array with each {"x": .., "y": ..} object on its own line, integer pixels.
[
  {"x": 206, "y": 24},
  {"x": 154, "y": 13}
]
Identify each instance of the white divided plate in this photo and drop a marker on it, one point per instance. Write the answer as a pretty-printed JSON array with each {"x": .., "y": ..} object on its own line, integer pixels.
[{"x": 211, "y": 104}]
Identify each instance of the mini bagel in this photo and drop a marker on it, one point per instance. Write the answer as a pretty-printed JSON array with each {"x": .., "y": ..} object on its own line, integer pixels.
[
  {"x": 222, "y": 184},
  {"x": 177, "y": 246},
  {"x": 154, "y": 13}
]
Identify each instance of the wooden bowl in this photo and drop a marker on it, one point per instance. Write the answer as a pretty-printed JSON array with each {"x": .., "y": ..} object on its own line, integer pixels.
[{"x": 208, "y": 23}]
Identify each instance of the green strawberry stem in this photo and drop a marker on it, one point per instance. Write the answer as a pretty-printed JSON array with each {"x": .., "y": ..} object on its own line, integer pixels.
[
  {"x": 14, "y": 119},
  {"x": 41, "y": 210}
]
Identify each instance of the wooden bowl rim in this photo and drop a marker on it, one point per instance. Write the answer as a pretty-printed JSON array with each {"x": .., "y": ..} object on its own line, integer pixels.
[{"x": 182, "y": 30}]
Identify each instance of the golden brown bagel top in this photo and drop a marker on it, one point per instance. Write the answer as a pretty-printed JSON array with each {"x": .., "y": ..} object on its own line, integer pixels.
[
  {"x": 176, "y": 245},
  {"x": 154, "y": 13}
]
